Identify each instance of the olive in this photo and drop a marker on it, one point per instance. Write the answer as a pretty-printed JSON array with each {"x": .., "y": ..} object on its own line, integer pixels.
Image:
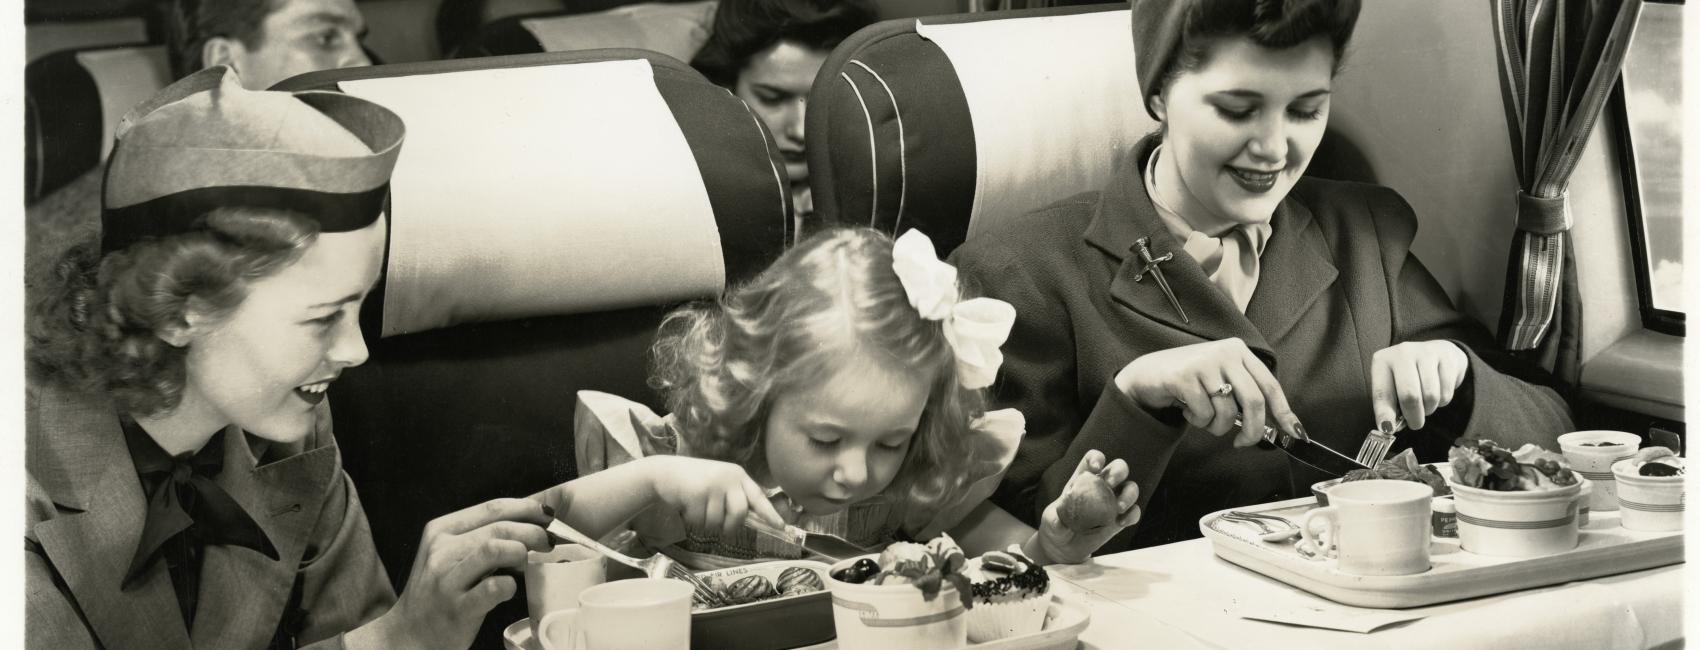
[
  {"x": 1659, "y": 469},
  {"x": 857, "y": 573}
]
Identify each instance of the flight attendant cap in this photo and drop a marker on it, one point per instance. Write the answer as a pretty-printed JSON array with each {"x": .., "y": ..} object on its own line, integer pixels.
[
  {"x": 1156, "y": 35},
  {"x": 206, "y": 142}
]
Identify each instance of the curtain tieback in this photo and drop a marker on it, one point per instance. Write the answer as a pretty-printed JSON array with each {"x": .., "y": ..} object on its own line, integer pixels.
[{"x": 1542, "y": 216}]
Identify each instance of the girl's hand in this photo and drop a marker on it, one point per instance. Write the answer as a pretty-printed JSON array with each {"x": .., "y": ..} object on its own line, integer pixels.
[
  {"x": 710, "y": 495},
  {"x": 1211, "y": 382},
  {"x": 1098, "y": 503},
  {"x": 1414, "y": 379},
  {"x": 454, "y": 581}
]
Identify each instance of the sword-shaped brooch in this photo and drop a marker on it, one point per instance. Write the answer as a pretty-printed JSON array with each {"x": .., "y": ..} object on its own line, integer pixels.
[{"x": 1151, "y": 265}]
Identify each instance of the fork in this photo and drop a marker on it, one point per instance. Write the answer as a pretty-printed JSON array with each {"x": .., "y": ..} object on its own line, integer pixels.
[
  {"x": 1375, "y": 446},
  {"x": 1284, "y": 530},
  {"x": 655, "y": 566}
]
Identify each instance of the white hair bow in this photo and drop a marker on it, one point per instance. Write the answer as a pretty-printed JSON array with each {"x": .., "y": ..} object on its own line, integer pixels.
[{"x": 975, "y": 328}]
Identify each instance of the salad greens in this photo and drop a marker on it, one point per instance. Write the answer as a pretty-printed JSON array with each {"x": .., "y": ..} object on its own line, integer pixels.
[{"x": 1483, "y": 464}]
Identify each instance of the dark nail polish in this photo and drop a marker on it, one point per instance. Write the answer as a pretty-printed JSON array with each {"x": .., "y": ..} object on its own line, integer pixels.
[
  {"x": 548, "y": 511},
  {"x": 1386, "y": 427},
  {"x": 1299, "y": 429}
]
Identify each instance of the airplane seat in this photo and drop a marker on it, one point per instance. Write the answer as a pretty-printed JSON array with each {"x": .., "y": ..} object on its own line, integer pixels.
[
  {"x": 546, "y": 211},
  {"x": 675, "y": 29},
  {"x": 401, "y": 31},
  {"x": 950, "y": 123},
  {"x": 73, "y": 100},
  {"x": 43, "y": 37}
]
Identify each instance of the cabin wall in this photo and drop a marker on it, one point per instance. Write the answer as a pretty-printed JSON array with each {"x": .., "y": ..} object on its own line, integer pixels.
[{"x": 1420, "y": 94}]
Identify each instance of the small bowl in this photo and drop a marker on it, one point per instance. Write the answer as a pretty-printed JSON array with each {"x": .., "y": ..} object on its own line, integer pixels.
[
  {"x": 782, "y": 622},
  {"x": 885, "y": 617},
  {"x": 1519, "y": 524},
  {"x": 1320, "y": 490},
  {"x": 1586, "y": 456},
  {"x": 1649, "y": 503}
]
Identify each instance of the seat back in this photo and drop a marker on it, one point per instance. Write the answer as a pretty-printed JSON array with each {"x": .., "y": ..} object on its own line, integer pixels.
[
  {"x": 675, "y": 29},
  {"x": 546, "y": 211},
  {"x": 952, "y": 123},
  {"x": 73, "y": 100},
  {"x": 47, "y": 37},
  {"x": 401, "y": 31}
]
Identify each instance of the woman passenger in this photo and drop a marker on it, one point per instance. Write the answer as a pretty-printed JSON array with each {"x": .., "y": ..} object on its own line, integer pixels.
[
  {"x": 1296, "y": 303},
  {"x": 767, "y": 53}
]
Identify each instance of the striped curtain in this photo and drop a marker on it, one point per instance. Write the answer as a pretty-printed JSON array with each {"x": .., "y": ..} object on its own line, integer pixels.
[{"x": 1559, "y": 60}]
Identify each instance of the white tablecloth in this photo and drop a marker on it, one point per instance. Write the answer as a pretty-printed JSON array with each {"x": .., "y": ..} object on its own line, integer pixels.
[{"x": 1182, "y": 596}]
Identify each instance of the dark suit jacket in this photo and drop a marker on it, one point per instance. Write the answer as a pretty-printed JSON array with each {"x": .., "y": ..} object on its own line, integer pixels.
[
  {"x": 1338, "y": 283},
  {"x": 85, "y": 513}
]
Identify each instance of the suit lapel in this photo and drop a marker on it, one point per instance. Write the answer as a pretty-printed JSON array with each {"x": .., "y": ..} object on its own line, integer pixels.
[
  {"x": 1124, "y": 215},
  {"x": 80, "y": 458},
  {"x": 243, "y": 592},
  {"x": 1299, "y": 258}
]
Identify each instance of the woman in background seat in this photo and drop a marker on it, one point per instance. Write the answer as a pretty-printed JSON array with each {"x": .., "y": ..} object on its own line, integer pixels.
[
  {"x": 767, "y": 53},
  {"x": 1296, "y": 302}
]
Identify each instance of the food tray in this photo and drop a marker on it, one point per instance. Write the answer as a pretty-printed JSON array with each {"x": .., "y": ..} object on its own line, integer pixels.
[
  {"x": 1064, "y": 622},
  {"x": 1605, "y": 548}
]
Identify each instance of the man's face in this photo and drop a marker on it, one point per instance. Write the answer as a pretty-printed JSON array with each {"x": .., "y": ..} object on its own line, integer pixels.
[{"x": 300, "y": 36}]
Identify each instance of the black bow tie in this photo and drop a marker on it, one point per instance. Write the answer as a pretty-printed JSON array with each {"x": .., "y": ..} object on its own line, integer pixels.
[{"x": 187, "y": 510}]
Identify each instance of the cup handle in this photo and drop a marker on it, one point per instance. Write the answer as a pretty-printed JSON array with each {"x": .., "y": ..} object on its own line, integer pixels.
[
  {"x": 567, "y": 617},
  {"x": 1313, "y": 540}
]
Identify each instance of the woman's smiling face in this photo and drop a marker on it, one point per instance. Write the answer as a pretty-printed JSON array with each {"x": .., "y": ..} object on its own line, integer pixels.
[
  {"x": 1240, "y": 129},
  {"x": 265, "y": 366}
]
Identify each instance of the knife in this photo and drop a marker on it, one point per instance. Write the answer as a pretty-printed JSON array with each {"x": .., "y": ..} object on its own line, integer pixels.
[
  {"x": 1309, "y": 452},
  {"x": 831, "y": 548}
]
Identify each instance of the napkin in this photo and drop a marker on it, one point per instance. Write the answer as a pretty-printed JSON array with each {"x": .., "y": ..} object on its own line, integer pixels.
[{"x": 1328, "y": 616}]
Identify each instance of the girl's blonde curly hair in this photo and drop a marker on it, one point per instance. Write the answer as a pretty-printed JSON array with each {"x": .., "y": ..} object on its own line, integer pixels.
[{"x": 829, "y": 299}]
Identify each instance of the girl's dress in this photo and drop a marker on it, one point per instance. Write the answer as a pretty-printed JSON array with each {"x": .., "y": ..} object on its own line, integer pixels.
[{"x": 611, "y": 430}]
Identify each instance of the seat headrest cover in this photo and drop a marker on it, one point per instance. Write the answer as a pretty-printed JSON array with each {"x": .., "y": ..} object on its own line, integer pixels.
[
  {"x": 206, "y": 142},
  {"x": 541, "y": 190},
  {"x": 677, "y": 30},
  {"x": 1052, "y": 102},
  {"x": 125, "y": 77}
]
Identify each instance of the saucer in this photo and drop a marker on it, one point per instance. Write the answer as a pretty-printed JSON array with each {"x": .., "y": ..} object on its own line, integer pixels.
[{"x": 519, "y": 636}]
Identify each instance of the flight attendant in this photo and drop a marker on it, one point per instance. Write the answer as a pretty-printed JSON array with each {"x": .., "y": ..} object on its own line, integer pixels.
[
  {"x": 184, "y": 488},
  {"x": 1209, "y": 279}
]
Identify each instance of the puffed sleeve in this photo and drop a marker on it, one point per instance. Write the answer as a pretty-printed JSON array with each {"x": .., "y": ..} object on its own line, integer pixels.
[
  {"x": 342, "y": 583},
  {"x": 1524, "y": 409},
  {"x": 610, "y": 430},
  {"x": 997, "y": 437}
]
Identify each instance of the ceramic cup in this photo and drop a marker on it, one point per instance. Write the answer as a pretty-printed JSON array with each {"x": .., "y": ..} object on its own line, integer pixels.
[
  {"x": 637, "y": 614},
  {"x": 1378, "y": 527},
  {"x": 1519, "y": 524},
  {"x": 1650, "y": 503},
  {"x": 554, "y": 579},
  {"x": 886, "y": 617},
  {"x": 1587, "y": 456}
]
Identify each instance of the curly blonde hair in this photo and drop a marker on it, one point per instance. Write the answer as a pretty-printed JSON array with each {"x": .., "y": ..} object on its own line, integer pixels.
[
  {"x": 830, "y": 298},
  {"x": 95, "y": 320}
]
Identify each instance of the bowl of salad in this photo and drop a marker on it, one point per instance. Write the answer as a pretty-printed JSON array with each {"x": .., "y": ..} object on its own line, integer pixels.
[{"x": 1522, "y": 503}]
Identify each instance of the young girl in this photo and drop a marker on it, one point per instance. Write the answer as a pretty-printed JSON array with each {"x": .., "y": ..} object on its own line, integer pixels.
[{"x": 844, "y": 384}]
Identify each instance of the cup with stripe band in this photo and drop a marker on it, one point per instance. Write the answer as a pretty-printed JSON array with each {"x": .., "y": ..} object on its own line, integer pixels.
[
  {"x": 1527, "y": 523},
  {"x": 1591, "y": 454},
  {"x": 1649, "y": 503}
]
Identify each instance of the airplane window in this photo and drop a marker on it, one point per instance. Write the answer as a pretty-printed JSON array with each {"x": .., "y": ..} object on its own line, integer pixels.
[{"x": 1652, "y": 95}]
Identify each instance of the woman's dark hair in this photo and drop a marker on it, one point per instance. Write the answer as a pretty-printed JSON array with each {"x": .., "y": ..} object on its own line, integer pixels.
[
  {"x": 95, "y": 321},
  {"x": 193, "y": 22},
  {"x": 742, "y": 28},
  {"x": 1274, "y": 24}
]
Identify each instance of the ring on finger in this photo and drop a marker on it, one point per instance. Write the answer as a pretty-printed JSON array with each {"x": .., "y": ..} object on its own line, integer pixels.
[{"x": 1224, "y": 390}]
